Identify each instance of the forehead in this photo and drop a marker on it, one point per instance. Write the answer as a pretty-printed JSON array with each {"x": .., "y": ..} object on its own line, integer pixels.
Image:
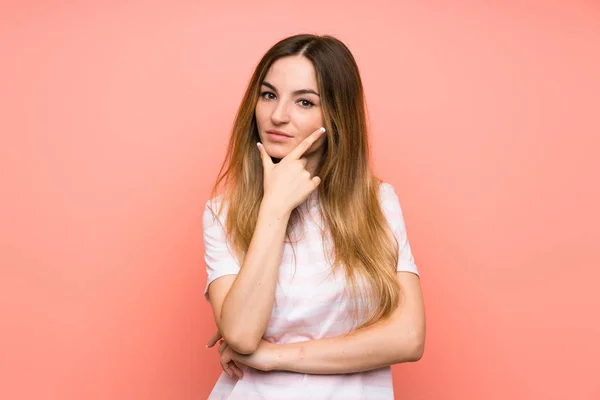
[{"x": 291, "y": 73}]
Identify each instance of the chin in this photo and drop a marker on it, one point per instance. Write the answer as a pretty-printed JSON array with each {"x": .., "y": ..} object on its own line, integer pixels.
[{"x": 276, "y": 150}]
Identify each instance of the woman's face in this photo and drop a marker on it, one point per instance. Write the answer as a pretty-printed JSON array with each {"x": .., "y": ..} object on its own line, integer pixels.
[{"x": 289, "y": 108}]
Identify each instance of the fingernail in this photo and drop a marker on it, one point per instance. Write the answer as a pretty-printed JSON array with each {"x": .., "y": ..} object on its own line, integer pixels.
[
  {"x": 258, "y": 145},
  {"x": 322, "y": 130}
]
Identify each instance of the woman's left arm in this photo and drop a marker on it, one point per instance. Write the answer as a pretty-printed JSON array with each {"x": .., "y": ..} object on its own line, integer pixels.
[{"x": 399, "y": 338}]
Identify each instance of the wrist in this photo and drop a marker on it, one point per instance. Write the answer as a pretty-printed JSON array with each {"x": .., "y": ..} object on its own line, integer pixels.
[
  {"x": 275, "y": 360},
  {"x": 274, "y": 208}
]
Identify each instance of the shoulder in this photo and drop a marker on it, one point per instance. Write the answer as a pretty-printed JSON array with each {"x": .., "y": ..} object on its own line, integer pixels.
[
  {"x": 390, "y": 205},
  {"x": 214, "y": 211},
  {"x": 387, "y": 195},
  {"x": 214, "y": 204},
  {"x": 386, "y": 188}
]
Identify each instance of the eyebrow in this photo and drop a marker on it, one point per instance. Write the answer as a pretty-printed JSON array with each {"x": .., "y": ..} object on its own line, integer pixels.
[{"x": 301, "y": 91}]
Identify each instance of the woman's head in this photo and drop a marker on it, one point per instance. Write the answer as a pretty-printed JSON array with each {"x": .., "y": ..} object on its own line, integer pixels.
[
  {"x": 289, "y": 108},
  {"x": 279, "y": 98},
  {"x": 302, "y": 83}
]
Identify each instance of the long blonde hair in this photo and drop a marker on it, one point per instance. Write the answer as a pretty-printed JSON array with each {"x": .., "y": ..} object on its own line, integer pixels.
[{"x": 349, "y": 192}]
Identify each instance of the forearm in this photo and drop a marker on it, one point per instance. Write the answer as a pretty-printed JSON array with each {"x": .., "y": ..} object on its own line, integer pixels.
[
  {"x": 378, "y": 345},
  {"x": 247, "y": 306}
]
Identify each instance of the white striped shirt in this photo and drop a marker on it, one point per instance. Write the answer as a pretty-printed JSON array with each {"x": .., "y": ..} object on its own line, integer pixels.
[{"x": 309, "y": 304}]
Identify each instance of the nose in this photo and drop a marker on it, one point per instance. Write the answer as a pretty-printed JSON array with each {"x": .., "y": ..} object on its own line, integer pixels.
[{"x": 280, "y": 114}]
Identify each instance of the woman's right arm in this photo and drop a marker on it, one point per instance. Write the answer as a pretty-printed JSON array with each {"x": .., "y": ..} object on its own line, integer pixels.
[{"x": 242, "y": 303}]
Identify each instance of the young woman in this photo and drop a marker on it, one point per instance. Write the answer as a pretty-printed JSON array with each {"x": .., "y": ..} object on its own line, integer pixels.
[{"x": 313, "y": 286}]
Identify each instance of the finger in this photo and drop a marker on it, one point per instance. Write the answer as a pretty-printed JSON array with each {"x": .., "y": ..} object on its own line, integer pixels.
[
  {"x": 214, "y": 339},
  {"x": 266, "y": 159},
  {"x": 305, "y": 144},
  {"x": 222, "y": 347},
  {"x": 239, "y": 366},
  {"x": 304, "y": 161},
  {"x": 236, "y": 369},
  {"x": 225, "y": 365},
  {"x": 227, "y": 370}
]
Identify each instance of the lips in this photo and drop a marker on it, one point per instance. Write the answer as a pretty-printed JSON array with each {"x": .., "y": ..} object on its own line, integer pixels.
[{"x": 279, "y": 133}]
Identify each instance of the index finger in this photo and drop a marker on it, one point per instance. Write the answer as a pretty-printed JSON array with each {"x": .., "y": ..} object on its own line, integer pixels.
[
  {"x": 214, "y": 339},
  {"x": 305, "y": 144}
]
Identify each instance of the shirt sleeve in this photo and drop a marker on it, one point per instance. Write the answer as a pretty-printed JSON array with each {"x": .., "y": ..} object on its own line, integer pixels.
[
  {"x": 393, "y": 212},
  {"x": 220, "y": 260}
]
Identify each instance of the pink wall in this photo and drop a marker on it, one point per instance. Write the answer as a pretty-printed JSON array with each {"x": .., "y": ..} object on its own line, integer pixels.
[{"x": 114, "y": 119}]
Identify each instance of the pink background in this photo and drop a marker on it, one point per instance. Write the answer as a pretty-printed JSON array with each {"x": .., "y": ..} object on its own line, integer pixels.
[{"x": 114, "y": 118}]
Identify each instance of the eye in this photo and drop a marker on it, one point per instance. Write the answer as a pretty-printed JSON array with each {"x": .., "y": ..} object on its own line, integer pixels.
[
  {"x": 267, "y": 95},
  {"x": 306, "y": 103}
]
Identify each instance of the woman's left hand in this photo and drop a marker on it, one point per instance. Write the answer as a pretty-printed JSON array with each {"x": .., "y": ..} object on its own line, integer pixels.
[
  {"x": 262, "y": 359},
  {"x": 228, "y": 364}
]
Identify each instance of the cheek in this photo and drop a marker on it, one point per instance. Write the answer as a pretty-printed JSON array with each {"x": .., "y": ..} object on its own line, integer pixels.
[
  {"x": 259, "y": 114},
  {"x": 310, "y": 121},
  {"x": 261, "y": 117}
]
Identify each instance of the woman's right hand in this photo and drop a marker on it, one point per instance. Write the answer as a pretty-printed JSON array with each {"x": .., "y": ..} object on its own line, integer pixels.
[{"x": 287, "y": 184}]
